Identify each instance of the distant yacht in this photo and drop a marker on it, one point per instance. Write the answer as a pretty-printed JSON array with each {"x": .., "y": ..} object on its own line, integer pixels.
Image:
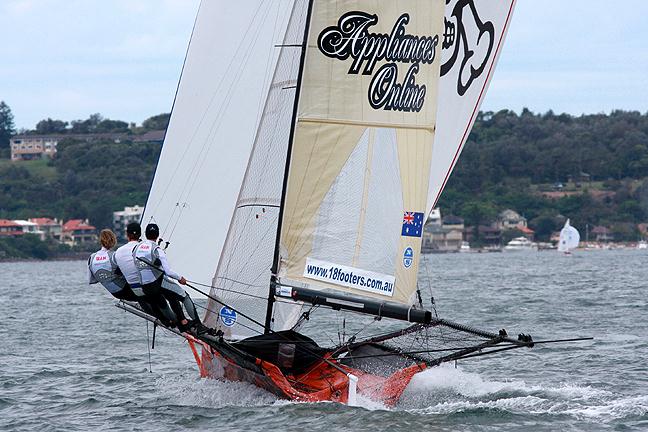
[
  {"x": 520, "y": 244},
  {"x": 641, "y": 245},
  {"x": 465, "y": 247},
  {"x": 569, "y": 238}
]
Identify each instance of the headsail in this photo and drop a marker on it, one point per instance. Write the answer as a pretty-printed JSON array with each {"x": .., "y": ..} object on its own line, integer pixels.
[
  {"x": 356, "y": 193},
  {"x": 569, "y": 238},
  {"x": 219, "y": 100}
]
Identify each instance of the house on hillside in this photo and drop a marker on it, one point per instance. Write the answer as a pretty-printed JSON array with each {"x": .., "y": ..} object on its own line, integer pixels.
[
  {"x": 51, "y": 228},
  {"x": 441, "y": 236},
  {"x": 30, "y": 228},
  {"x": 453, "y": 222},
  {"x": 489, "y": 236},
  {"x": 438, "y": 238},
  {"x": 154, "y": 136},
  {"x": 10, "y": 228},
  {"x": 601, "y": 234},
  {"x": 28, "y": 147},
  {"x": 434, "y": 217},
  {"x": 510, "y": 219},
  {"x": 78, "y": 231}
]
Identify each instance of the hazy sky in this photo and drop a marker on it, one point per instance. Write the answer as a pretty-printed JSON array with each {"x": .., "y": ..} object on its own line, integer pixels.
[{"x": 66, "y": 59}]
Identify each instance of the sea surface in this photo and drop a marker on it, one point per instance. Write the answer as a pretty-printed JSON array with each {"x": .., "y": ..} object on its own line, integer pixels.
[{"x": 71, "y": 361}]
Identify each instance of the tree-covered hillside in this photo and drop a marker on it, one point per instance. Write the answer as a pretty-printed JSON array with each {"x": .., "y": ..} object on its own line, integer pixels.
[
  {"x": 86, "y": 180},
  {"x": 592, "y": 169}
]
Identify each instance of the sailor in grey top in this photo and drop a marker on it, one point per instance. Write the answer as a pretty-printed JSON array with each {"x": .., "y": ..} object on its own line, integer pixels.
[{"x": 102, "y": 268}]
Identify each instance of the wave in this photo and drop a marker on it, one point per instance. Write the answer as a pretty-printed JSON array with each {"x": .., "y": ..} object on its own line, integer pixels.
[
  {"x": 449, "y": 390},
  {"x": 443, "y": 390}
]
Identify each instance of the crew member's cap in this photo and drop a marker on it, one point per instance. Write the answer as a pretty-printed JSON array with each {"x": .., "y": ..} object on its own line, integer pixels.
[
  {"x": 152, "y": 231},
  {"x": 134, "y": 229}
]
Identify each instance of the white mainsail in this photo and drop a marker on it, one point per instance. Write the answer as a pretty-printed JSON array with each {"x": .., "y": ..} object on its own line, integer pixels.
[
  {"x": 569, "y": 238},
  {"x": 244, "y": 270}
]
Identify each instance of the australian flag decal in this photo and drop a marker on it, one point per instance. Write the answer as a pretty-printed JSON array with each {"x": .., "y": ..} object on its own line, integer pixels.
[{"x": 412, "y": 224}]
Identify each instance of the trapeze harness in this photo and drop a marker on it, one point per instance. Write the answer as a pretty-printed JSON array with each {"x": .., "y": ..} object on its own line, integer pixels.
[
  {"x": 105, "y": 271},
  {"x": 154, "y": 281}
]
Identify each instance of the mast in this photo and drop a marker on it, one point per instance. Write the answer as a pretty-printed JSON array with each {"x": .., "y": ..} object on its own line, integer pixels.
[{"x": 293, "y": 126}]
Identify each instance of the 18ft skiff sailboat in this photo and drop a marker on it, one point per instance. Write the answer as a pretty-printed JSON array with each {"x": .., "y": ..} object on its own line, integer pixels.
[{"x": 301, "y": 192}]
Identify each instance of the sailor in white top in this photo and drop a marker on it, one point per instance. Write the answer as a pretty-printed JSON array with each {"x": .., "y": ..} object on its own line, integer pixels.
[
  {"x": 156, "y": 275},
  {"x": 126, "y": 263}
]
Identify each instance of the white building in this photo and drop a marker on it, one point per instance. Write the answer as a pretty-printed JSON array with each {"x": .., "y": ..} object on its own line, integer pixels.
[
  {"x": 27, "y": 147},
  {"x": 435, "y": 217},
  {"x": 29, "y": 227},
  {"x": 122, "y": 218}
]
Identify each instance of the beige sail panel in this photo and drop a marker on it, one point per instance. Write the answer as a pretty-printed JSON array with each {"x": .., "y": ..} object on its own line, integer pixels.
[
  {"x": 370, "y": 80},
  {"x": 364, "y": 89},
  {"x": 414, "y": 153}
]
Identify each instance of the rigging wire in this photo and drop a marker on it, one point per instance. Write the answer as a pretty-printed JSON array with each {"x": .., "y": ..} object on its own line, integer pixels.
[
  {"x": 213, "y": 97},
  {"x": 201, "y": 158},
  {"x": 148, "y": 347},
  {"x": 261, "y": 180},
  {"x": 228, "y": 290}
]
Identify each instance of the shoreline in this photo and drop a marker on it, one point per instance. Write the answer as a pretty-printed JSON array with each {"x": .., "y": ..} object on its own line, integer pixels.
[{"x": 80, "y": 256}]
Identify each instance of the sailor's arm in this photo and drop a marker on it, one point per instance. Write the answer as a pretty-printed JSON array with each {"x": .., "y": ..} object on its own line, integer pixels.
[
  {"x": 167, "y": 269},
  {"x": 91, "y": 278}
]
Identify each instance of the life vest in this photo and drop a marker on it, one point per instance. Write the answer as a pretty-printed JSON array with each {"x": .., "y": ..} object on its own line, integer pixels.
[
  {"x": 146, "y": 253},
  {"x": 103, "y": 268}
]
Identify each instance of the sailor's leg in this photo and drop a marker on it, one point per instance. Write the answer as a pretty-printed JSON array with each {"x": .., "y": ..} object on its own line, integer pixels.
[
  {"x": 190, "y": 307},
  {"x": 175, "y": 301},
  {"x": 158, "y": 303},
  {"x": 127, "y": 294},
  {"x": 146, "y": 306},
  {"x": 178, "y": 297}
]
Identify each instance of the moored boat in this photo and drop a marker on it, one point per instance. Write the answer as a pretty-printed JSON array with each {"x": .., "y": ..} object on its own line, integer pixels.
[{"x": 521, "y": 244}]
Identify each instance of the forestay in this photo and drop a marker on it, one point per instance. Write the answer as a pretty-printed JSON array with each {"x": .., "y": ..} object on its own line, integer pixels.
[{"x": 356, "y": 195}]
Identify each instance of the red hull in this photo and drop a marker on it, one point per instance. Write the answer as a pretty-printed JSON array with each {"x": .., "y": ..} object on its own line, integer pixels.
[{"x": 322, "y": 382}]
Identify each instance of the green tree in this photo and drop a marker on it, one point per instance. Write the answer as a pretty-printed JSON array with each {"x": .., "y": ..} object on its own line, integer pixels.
[
  {"x": 7, "y": 126},
  {"x": 49, "y": 126},
  {"x": 158, "y": 122}
]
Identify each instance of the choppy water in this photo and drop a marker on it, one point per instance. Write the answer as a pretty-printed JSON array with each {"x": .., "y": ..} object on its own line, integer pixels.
[{"x": 70, "y": 360}]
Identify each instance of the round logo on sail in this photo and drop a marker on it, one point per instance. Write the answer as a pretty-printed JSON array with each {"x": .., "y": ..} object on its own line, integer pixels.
[
  {"x": 408, "y": 257},
  {"x": 227, "y": 316}
]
